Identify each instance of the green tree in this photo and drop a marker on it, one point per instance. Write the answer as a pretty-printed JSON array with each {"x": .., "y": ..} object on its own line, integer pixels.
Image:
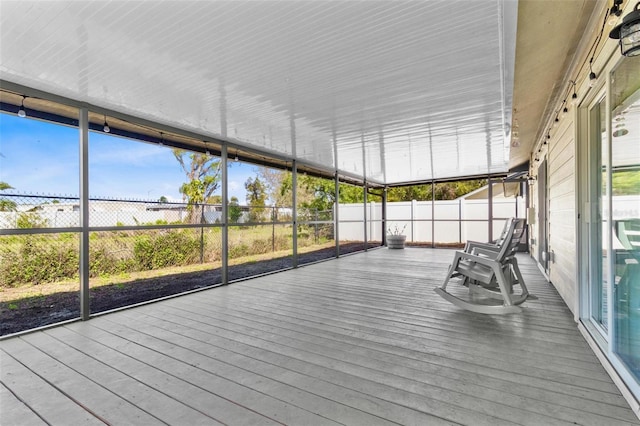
[
  {"x": 5, "y": 204},
  {"x": 256, "y": 198},
  {"x": 203, "y": 178},
  {"x": 235, "y": 211},
  {"x": 278, "y": 193},
  {"x": 163, "y": 199},
  {"x": 214, "y": 199},
  {"x": 443, "y": 191}
]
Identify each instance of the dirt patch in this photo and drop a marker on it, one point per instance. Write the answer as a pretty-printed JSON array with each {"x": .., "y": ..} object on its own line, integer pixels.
[{"x": 39, "y": 310}]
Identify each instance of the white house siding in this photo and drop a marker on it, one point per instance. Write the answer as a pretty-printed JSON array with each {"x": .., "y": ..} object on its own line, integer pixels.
[{"x": 562, "y": 211}]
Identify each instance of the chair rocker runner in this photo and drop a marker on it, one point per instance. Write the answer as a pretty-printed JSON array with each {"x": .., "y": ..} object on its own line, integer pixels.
[{"x": 490, "y": 271}]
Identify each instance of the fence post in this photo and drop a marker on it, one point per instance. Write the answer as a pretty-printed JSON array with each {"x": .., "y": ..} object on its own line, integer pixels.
[
  {"x": 315, "y": 227},
  {"x": 273, "y": 228}
]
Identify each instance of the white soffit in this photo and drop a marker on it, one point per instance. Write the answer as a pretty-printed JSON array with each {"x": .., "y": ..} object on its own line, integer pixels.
[{"x": 404, "y": 90}]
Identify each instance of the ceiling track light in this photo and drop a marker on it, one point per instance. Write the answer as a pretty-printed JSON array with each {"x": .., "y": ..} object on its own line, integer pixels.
[
  {"x": 22, "y": 113},
  {"x": 628, "y": 32},
  {"x": 106, "y": 126}
]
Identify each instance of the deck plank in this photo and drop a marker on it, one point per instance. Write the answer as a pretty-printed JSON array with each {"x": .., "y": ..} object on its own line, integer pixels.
[
  {"x": 358, "y": 340},
  {"x": 16, "y": 412}
]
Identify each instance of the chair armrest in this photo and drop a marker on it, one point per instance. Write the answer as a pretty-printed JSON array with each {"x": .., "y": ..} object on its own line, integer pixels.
[
  {"x": 486, "y": 252},
  {"x": 471, "y": 245},
  {"x": 461, "y": 255}
]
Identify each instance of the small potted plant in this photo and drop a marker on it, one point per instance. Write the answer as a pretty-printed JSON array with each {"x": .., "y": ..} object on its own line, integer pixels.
[{"x": 395, "y": 237}]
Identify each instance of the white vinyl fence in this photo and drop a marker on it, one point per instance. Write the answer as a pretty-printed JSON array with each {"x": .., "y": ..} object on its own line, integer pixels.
[{"x": 455, "y": 221}]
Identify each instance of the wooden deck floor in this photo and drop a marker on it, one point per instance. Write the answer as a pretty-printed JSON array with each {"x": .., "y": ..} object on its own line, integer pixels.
[{"x": 359, "y": 340}]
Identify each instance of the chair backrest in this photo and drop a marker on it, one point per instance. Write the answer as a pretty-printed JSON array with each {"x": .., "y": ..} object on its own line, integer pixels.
[
  {"x": 512, "y": 240},
  {"x": 505, "y": 231},
  {"x": 628, "y": 232}
]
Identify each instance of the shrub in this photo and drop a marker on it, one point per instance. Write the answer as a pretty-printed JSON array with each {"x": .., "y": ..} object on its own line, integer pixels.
[
  {"x": 31, "y": 220},
  {"x": 104, "y": 261},
  {"x": 170, "y": 248},
  {"x": 37, "y": 261},
  {"x": 260, "y": 246},
  {"x": 239, "y": 250}
]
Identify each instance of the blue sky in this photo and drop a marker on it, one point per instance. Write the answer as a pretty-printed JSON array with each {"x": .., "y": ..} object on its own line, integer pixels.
[{"x": 40, "y": 157}]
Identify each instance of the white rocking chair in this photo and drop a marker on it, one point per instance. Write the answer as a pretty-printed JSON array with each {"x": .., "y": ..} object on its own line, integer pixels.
[{"x": 490, "y": 271}]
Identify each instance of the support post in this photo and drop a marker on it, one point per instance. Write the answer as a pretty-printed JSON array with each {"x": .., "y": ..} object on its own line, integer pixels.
[
  {"x": 366, "y": 242},
  {"x": 336, "y": 216},
  {"x": 225, "y": 216},
  {"x": 460, "y": 221},
  {"x": 83, "y": 124},
  {"x": 490, "y": 208},
  {"x": 202, "y": 233},
  {"x": 384, "y": 216},
  {"x": 412, "y": 211},
  {"x": 433, "y": 214},
  {"x": 294, "y": 189}
]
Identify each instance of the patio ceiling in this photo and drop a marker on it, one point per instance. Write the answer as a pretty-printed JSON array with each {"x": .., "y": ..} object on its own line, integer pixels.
[
  {"x": 385, "y": 85},
  {"x": 404, "y": 91}
]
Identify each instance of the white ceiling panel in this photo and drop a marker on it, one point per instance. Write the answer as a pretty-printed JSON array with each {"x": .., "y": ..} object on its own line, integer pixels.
[{"x": 403, "y": 90}]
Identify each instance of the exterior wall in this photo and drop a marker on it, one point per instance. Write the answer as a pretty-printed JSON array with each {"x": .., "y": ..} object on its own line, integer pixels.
[
  {"x": 562, "y": 167},
  {"x": 562, "y": 212},
  {"x": 568, "y": 201}
]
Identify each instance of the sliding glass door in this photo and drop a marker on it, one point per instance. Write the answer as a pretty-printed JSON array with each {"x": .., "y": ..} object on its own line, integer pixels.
[
  {"x": 610, "y": 220},
  {"x": 625, "y": 212}
]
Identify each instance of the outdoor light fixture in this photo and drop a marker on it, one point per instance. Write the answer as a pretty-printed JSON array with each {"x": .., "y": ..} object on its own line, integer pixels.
[
  {"x": 565, "y": 110},
  {"x": 628, "y": 32},
  {"x": 574, "y": 96},
  {"x": 106, "y": 126},
  {"x": 615, "y": 11},
  {"x": 21, "y": 112},
  {"x": 592, "y": 79}
]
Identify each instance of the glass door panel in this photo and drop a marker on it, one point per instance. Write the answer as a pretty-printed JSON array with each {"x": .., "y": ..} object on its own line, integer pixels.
[
  {"x": 598, "y": 229},
  {"x": 625, "y": 201}
]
